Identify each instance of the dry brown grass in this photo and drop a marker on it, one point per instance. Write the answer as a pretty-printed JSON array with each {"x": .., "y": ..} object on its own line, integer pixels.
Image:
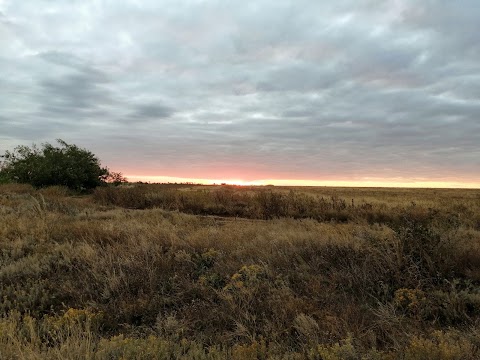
[{"x": 395, "y": 274}]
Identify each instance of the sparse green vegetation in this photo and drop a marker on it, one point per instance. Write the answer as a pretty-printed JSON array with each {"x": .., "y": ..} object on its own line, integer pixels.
[{"x": 204, "y": 272}]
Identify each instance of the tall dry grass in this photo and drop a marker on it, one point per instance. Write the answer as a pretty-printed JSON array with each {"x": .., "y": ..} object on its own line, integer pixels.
[{"x": 94, "y": 277}]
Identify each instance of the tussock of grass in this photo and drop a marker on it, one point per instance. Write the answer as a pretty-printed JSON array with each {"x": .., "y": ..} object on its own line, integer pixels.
[{"x": 391, "y": 274}]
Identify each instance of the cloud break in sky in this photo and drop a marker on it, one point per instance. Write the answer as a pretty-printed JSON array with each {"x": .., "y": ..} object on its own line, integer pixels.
[{"x": 342, "y": 91}]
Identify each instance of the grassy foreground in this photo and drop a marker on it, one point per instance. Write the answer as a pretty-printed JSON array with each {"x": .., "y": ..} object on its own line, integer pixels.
[{"x": 197, "y": 272}]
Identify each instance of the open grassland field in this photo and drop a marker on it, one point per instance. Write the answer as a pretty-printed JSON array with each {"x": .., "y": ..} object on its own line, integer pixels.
[{"x": 223, "y": 272}]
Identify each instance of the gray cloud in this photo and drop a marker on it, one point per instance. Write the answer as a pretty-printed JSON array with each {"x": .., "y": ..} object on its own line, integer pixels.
[
  {"x": 275, "y": 89},
  {"x": 72, "y": 92},
  {"x": 152, "y": 111}
]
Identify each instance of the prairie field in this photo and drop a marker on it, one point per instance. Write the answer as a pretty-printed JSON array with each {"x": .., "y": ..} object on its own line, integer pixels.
[{"x": 226, "y": 272}]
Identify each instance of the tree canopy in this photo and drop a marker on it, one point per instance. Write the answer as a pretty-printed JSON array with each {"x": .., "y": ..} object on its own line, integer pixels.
[{"x": 66, "y": 165}]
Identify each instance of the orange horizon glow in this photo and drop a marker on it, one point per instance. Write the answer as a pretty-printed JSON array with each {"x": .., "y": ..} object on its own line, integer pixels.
[{"x": 393, "y": 183}]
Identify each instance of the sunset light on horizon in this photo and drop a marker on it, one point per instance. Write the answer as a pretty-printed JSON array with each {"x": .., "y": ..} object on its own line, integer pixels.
[{"x": 397, "y": 183}]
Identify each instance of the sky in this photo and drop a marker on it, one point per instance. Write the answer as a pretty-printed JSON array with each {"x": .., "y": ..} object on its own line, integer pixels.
[{"x": 344, "y": 92}]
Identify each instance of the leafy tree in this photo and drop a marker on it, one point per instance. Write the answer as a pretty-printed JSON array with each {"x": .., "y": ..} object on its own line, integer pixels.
[
  {"x": 3, "y": 176},
  {"x": 66, "y": 165}
]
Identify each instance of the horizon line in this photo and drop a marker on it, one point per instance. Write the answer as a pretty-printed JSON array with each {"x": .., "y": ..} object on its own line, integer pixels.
[{"x": 385, "y": 183}]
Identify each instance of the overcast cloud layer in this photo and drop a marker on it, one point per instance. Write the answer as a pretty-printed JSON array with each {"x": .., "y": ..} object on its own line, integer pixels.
[{"x": 249, "y": 89}]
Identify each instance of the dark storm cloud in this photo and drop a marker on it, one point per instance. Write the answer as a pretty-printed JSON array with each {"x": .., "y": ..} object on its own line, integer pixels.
[{"x": 278, "y": 88}]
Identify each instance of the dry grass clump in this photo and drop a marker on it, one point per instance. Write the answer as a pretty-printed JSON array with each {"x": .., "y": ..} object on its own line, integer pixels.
[
  {"x": 82, "y": 277},
  {"x": 323, "y": 204}
]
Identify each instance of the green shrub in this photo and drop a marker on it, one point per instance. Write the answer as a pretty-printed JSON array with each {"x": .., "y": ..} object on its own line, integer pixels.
[{"x": 64, "y": 165}]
